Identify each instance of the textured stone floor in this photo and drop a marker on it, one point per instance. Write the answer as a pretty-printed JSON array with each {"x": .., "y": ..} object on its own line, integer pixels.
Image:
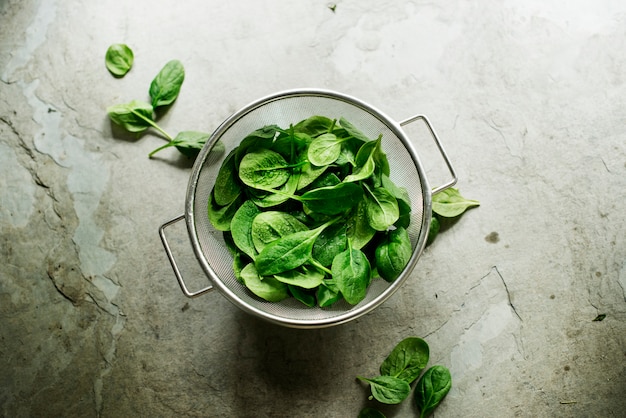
[{"x": 529, "y": 99}]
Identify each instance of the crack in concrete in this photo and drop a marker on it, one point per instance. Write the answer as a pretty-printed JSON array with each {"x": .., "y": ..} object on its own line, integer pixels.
[{"x": 508, "y": 294}]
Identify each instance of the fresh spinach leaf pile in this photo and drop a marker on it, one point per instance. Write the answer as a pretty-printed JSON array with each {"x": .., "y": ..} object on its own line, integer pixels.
[
  {"x": 310, "y": 212},
  {"x": 399, "y": 370}
]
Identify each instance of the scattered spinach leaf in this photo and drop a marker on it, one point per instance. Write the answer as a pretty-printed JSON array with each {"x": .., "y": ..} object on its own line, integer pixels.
[
  {"x": 371, "y": 413},
  {"x": 433, "y": 229},
  {"x": 119, "y": 59},
  {"x": 189, "y": 143},
  {"x": 449, "y": 203},
  {"x": 599, "y": 318},
  {"x": 407, "y": 360},
  {"x": 166, "y": 85},
  {"x": 432, "y": 387},
  {"x": 388, "y": 389},
  {"x": 135, "y": 116}
]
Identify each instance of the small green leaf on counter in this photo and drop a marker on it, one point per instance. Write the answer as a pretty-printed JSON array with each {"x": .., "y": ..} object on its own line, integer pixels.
[
  {"x": 407, "y": 360},
  {"x": 449, "y": 203},
  {"x": 119, "y": 59},
  {"x": 166, "y": 85},
  {"x": 432, "y": 387},
  {"x": 388, "y": 389},
  {"x": 189, "y": 143},
  {"x": 371, "y": 413},
  {"x": 599, "y": 318},
  {"x": 135, "y": 116}
]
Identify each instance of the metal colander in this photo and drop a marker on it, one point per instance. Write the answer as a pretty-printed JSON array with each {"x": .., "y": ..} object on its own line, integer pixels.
[{"x": 283, "y": 109}]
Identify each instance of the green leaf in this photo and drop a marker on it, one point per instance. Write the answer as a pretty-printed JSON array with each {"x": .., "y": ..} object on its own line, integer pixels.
[
  {"x": 370, "y": 413},
  {"x": 358, "y": 230},
  {"x": 599, "y": 318},
  {"x": 352, "y": 274},
  {"x": 393, "y": 254},
  {"x": 302, "y": 295},
  {"x": 407, "y": 360},
  {"x": 241, "y": 227},
  {"x": 305, "y": 277},
  {"x": 267, "y": 288},
  {"x": 288, "y": 252},
  {"x": 381, "y": 208},
  {"x": 332, "y": 200},
  {"x": 135, "y": 116},
  {"x": 388, "y": 389},
  {"x": 432, "y": 387},
  {"x": 449, "y": 203},
  {"x": 220, "y": 216},
  {"x": 269, "y": 226},
  {"x": 263, "y": 169},
  {"x": 189, "y": 143},
  {"x": 365, "y": 164},
  {"x": 313, "y": 126},
  {"x": 119, "y": 59},
  {"x": 332, "y": 241},
  {"x": 327, "y": 294},
  {"x": 352, "y": 130},
  {"x": 166, "y": 85},
  {"x": 324, "y": 149},
  {"x": 227, "y": 187}
]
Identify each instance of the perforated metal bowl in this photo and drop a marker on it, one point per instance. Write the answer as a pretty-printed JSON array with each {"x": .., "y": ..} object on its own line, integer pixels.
[{"x": 283, "y": 109}]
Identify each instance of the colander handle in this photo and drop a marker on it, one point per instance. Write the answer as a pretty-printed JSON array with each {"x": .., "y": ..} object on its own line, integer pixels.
[
  {"x": 170, "y": 256},
  {"x": 439, "y": 146}
]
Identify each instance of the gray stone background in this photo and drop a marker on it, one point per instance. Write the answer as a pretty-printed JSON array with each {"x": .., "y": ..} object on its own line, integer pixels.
[{"x": 529, "y": 99}]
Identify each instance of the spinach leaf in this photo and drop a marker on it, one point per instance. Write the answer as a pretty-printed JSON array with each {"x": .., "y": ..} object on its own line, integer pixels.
[
  {"x": 241, "y": 228},
  {"x": 365, "y": 164},
  {"x": 305, "y": 277},
  {"x": 332, "y": 200},
  {"x": 302, "y": 295},
  {"x": 393, "y": 254},
  {"x": 166, "y": 85},
  {"x": 432, "y": 387},
  {"x": 119, "y": 59},
  {"x": 220, "y": 216},
  {"x": 358, "y": 228},
  {"x": 324, "y": 149},
  {"x": 388, "y": 389},
  {"x": 331, "y": 242},
  {"x": 267, "y": 288},
  {"x": 327, "y": 294},
  {"x": 381, "y": 208},
  {"x": 308, "y": 174},
  {"x": 370, "y": 413},
  {"x": 227, "y": 187},
  {"x": 288, "y": 252},
  {"x": 352, "y": 130},
  {"x": 407, "y": 360},
  {"x": 135, "y": 116},
  {"x": 270, "y": 225},
  {"x": 263, "y": 169},
  {"x": 352, "y": 274},
  {"x": 313, "y": 126},
  {"x": 274, "y": 197},
  {"x": 404, "y": 201},
  {"x": 189, "y": 143},
  {"x": 449, "y": 203}
]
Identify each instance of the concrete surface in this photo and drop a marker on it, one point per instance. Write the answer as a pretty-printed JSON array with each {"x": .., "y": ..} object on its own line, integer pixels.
[{"x": 529, "y": 99}]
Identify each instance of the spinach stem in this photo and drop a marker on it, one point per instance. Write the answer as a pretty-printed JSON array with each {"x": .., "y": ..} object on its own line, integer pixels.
[
  {"x": 320, "y": 266},
  {"x": 169, "y": 144},
  {"x": 153, "y": 124}
]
